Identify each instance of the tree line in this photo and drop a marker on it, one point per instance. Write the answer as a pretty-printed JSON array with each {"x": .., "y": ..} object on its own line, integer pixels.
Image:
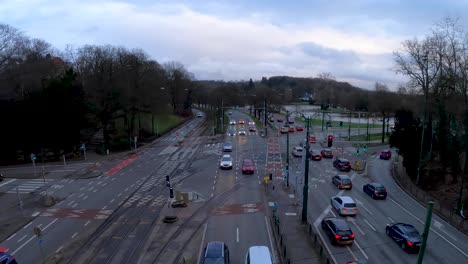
[{"x": 52, "y": 100}]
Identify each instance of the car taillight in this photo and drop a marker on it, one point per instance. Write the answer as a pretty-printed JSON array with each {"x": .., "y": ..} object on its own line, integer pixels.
[
  {"x": 331, "y": 153},
  {"x": 351, "y": 183},
  {"x": 344, "y": 209},
  {"x": 376, "y": 192},
  {"x": 337, "y": 237},
  {"x": 409, "y": 243},
  {"x": 355, "y": 208},
  {"x": 352, "y": 236},
  {"x": 386, "y": 154},
  {"x": 341, "y": 183},
  {"x": 380, "y": 153}
]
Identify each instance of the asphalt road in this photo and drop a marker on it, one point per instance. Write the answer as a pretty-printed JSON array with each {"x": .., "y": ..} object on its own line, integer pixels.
[
  {"x": 127, "y": 187},
  {"x": 445, "y": 243},
  {"x": 241, "y": 222}
]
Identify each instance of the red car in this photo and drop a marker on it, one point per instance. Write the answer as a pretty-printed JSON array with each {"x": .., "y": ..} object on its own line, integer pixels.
[
  {"x": 315, "y": 155},
  {"x": 248, "y": 166},
  {"x": 291, "y": 129},
  {"x": 327, "y": 153},
  {"x": 299, "y": 128},
  {"x": 312, "y": 139},
  {"x": 279, "y": 120},
  {"x": 284, "y": 130}
]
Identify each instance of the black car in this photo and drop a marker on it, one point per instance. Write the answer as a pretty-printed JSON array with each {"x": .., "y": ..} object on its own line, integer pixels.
[
  {"x": 252, "y": 129},
  {"x": 385, "y": 154},
  {"x": 215, "y": 253},
  {"x": 315, "y": 155},
  {"x": 375, "y": 190},
  {"x": 338, "y": 231},
  {"x": 342, "y": 164},
  {"x": 327, "y": 153},
  {"x": 407, "y": 236}
]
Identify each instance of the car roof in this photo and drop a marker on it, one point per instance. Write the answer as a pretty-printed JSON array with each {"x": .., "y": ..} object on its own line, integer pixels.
[
  {"x": 226, "y": 156},
  {"x": 385, "y": 150},
  {"x": 259, "y": 254},
  {"x": 214, "y": 249},
  {"x": 343, "y": 176},
  {"x": 343, "y": 160},
  {"x": 327, "y": 149},
  {"x": 339, "y": 223},
  {"x": 346, "y": 199},
  {"x": 376, "y": 184},
  {"x": 298, "y": 147},
  {"x": 227, "y": 143}
]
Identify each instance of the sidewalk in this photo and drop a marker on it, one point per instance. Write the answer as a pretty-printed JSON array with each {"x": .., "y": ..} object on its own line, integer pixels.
[{"x": 293, "y": 242}]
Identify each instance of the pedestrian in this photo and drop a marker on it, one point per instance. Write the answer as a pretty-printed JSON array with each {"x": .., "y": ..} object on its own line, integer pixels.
[
  {"x": 273, "y": 187},
  {"x": 271, "y": 176}
]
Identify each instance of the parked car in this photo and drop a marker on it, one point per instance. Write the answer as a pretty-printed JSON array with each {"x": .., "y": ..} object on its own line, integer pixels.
[
  {"x": 241, "y": 122},
  {"x": 231, "y": 132},
  {"x": 375, "y": 190},
  {"x": 299, "y": 128},
  {"x": 342, "y": 164},
  {"x": 229, "y": 113},
  {"x": 327, "y": 153},
  {"x": 385, "y": 154},
  {"x": 258, "y": 255},
  {"x": 407, "y": 236},
  {"x": 284, "y": 130},
  {"x": 342, "y": 181},
  {"x": 344, "y": 205},
  {"x": 227, "y": 147},
  {"x": 215, "y": 252},
  {"x": 232, "y": 122},
  {"x": 6, "y": 258},
  {"x": 242, "y": 132},
  {"x": 297, "y": 151},
  {"x": 315, "y": 155},
  {"x": 291, "y": 120},
  {"x": 291, "y": 129},
  {"x": 279, "y": 119},
  {"x": 252, "y": 129},
  {"x": 312, "y": 139},
  {"x": 226, "y": 162},
  {"x": 338, "y": 231},
  {"x": 248, "y": 166}
]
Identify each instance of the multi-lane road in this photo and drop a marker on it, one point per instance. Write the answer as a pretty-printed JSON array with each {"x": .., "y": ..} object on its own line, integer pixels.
[{"x": 445, "y": 244}]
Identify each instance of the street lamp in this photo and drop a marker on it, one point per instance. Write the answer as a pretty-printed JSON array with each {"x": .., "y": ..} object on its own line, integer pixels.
[{"x": 305, "y": 194}]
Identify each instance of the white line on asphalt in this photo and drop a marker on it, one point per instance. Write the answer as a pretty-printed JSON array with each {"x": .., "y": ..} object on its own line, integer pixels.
[
  {"x": 60, "y": 248},
  {"x": 112, "y": 179},
  {"x": 61, "y": 202},
  {"x": 433, "y": 230},
  {"x": 91, "y": 188},
  {"x": 391, "y": 220},
  {"x": 35, "y": 214},
  {"x": 213, "y": 187},
  {"x": 11, "y": 237},
  {"x": 362, "y": 251},
  {"x": 24, "y": 244},
  {"x": 237, "y": 235},
  {"x": 24, "y": 227},
  {"x": 95, "y": 191},
  {"x": 82, "y": 188},
  {"x": 74, "y": 205},
  {"x": 370, "y": 225},
  {"x": 87, "y": 223},
  {"x": 84, "y": 198},
  {"x": 259, "y": 182},
  {"x": 111, "y": 201},
  {"x": 21, "y": 239},
  {"x": 91, "y": 182},
  {"x": 360, "y": 230},
  {"x": 55, "y": 220},
  {"x": 126, "y": 190},
  {"x": 214, "y": 182},
  {"x": 236, "y": 178},
  {"x": 131, "y": 186},
  {"x": 269, "y": 238},
  {"x": 202, "y": 243},
  {"x": 39, "y": 225},
  {"x": 99, "y": 182},
  {"x": 70, "y": 203},
  {"x": 212, "y": 194},
  {"x": 5, "y": 183},
  {"x": 71, "y": 195},
  {"x": 326, "y": 244},
  {"x": 74, "y": 235},
  {"x": 99, "y": 177},
  {"x": 104, "y": 208},
  {"x": 350, "y": 251},
  {"x": 81, "y": 195},
  {"x": 334, "y": 215},
  {"x": 118, "y": 195}
]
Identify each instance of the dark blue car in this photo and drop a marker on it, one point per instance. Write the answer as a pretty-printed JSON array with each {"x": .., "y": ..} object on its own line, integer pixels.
[
  {"x": 407, "y": 236},
  {"x": 215, "y": 252},
  {"x": 6, "y": 258}
]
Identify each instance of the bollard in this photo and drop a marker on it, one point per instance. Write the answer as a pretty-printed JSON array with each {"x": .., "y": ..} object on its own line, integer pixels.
[
  {"x": 310, "y": 229},
  {"x": 315, "y": 238},
  {"x": 284, "y": 251},
  {"x": 321, "y": 250},
  {"x": 277, "y": 229},
  {"x": 328, "y": 261},
  {"x": 281, "y": 240}
]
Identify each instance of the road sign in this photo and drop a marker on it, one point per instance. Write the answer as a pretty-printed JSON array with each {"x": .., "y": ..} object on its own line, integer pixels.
[
  {"x": 33, "y": 157},
  {"x": 38, "y": 231}
]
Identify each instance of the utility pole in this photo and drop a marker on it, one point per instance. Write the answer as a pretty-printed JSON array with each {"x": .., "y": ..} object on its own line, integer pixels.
[
  {"x": 367, "y": 126},
  {"x": 222, "y": 116},
  {"x": 287, "y": 151},
  {"x": 305, "y": 194},
  {"x": 425, "y": 234},
  {"x": 349, "y": 127},
  {"x": 323, "y": 118},
  {"x": 265, "y": 117}
]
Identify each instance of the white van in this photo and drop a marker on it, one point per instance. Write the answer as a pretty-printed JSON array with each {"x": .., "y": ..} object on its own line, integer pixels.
[{"x": 258, "y": 255}]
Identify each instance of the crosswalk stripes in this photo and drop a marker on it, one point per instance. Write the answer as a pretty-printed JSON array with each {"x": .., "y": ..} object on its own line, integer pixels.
[{"x": 29, "y": 186}]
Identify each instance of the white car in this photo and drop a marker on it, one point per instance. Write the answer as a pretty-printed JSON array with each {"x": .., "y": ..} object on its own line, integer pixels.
[
  {"x": 344, "y": 205},
  {"x": 297, "y": 151},
  {"x": 232, "y": 122},
  {"x": 199, "y": 115},
  {"x": 226, "y": 162},
  {"x": 251, "y": 123},
  {"x": 258, "y": 255},
  {"x": 242, "y": 132}
]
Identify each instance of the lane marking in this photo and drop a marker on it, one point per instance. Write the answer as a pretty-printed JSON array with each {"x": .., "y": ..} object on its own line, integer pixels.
[
  {"x": 290, "y": 214},
  {"x": 104, "y": 208},
  {"x": 362, "y": 251},
  {"x": 112, "y": 201},
  {"x": 87, "y": 223},
  {"x": 47, "y": 226},
  {"x": 370, "y": 225},
  {"x": 269, "y": 238},
  {"x": 360, "y": 230},
  {"x": 35, "y": 214},
  {"x": 433, "y": 230},
  {"x": 60, "y": 248},
  {"x": 11, "y": 237},
  {"x": 202, "y": 243},
  {"x": 5, "y": 183},
  {"x": 350, "y": 251},
  {"x": 237, "y": 235},
  {"x": 74, "y": 205},
  {"x": 61, "y": 202},
  {"x": 21, "y": 239},
  {"x": 391, "y": 220},
  {"x": 213, "y": 187},
  {"x": 71, "y": 195},
  {"x": 74, "y": 235},
  {"x": 126, "y": 190},
  {"x": 118, "y": 195},
  {"x": 212, "y": 195},
  {"x": 24, "y": 227},
  {"x": 82, "y": 188},
  {"x": 18, "y": 249},
  {"x": 95, "y": 190},
  {"x": 84, "y": 198},
  {"x": 326, "y": 245},
  {"x": 81, "y": 195}
]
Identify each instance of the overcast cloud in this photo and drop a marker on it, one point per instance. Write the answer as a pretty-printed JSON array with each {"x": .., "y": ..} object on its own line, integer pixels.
[{"x": 238, "y": 40}]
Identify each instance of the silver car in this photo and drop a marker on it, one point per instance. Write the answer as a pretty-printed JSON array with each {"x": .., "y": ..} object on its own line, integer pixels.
[
  {"x": 226, "y": 162},
  {"x": 232, "y": 122},
  {"x": 344, "y": 205},
  {"x": 297, "y": 151},
  {"x": 227, "y": 147},
  {"x": 242, "y": 132}
]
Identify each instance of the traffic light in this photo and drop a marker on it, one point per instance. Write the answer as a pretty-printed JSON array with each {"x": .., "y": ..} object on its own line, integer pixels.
[
  {"x": 82, "y": 147},
  {"x": 341, "y": 123},
  {"x": 365, "y": 149},
  {"x": 357, "y": 152},
  {"x": 330, "y": 141},
  {"x": 33, "y": 157}
]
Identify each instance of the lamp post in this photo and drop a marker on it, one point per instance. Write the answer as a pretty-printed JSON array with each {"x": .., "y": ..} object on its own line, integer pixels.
[
  {"x": 426, "y": 97},
  {"x": 305, "y": 193},
  {"x": 287, "y": 150}
]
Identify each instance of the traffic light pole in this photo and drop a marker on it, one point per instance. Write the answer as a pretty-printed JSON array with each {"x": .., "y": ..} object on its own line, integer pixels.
[
  {"x": 305, "y": 194},
  {"x": 425, "y": 234},
  {"x": 287, "y": 151}
]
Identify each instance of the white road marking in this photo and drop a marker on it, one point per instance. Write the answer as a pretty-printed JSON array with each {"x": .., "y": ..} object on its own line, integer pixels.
[
  {"x": 47, "y": 226},
  {"x": 74, "y": 235},
  {"x": 269, "y": 238},
  {"x": 91, "y": 188},
  {"x": 82, "y": 188},
  {"x": 35, "y": 214},
  {"x": 214, "y": 182},
  {"x": 212, "y": 195},
  {"x": 433, "y": 230},
  {"x": 213, "y": 187},
  {"x": 70, "y": 203},
  {"x": 99, "y": 182},
  {"x": 60, "y": 248},
  {"x": 21, "y": 239},
  {"x": 24, "y": 227},
  {"x": 391, "y": 220},
  {"x": 131, "y": 186},
  {"x": 87, "y": 223},
  {"x": 71, "y": 195},
  {"x": 112, "y": 179},
  {"x": 350, "y": 251},
  {"x": 118, "y": 195},
  {"x": 326, "y": 245},
  {"x": 126, "y": 190},
  {"x": 11, "y": 237},
  {"x": 74, "y": 205},
  {"x": 331, "y": 211},
  {"x": 84, "y": 198},
  {"x": 290, "y": 214},
  {"x": 95, "y": 190},
  {"x": 5, "y": 183},
  {"x": 360, "y": 230},
  {"x": 112, "y": 201},
  {"x": 362, "y": 205},
  {"x": 236, "y": 178},
  {"x": 104, "y": 208},
  {"x": 24, "y": 244},
  {"x": 370, "y": 225},
  {"x": 91, "y": 182},
  {"x": 61, "y": 202},
  {"x": 237, "y": 235},
  {"x": 202, "y": 243},
  {"x": 362, "y": 251},
  {"x": 81, "y": 195}
]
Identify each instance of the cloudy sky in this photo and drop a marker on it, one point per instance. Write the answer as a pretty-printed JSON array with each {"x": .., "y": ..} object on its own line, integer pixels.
[{"x": 242, "y": 39}]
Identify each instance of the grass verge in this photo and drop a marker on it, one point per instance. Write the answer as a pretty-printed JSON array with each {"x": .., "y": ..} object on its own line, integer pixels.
[
  {"x": 335, "y": 124},
  {"x": 363, "y": 137}
]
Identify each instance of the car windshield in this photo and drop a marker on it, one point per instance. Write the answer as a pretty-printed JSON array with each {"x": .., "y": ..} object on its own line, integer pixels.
[
  {"x": 227, "y": 144},
  {"x": 349, "y": 205},
  {"x": 214, "y": 261},
  {"x": 344, "y": 232},
  {"x": 248, "y": 163},
  {"x": 344, "y": 161},
  {"x": 410, "y": 232},
  {"x": 299, "y": 150},
  {"x": 231, "y": 131},
  {"x": 346, "y": 181},
  {"x": 226, "y": 159},
  {"x": 380, "y": 188}
]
